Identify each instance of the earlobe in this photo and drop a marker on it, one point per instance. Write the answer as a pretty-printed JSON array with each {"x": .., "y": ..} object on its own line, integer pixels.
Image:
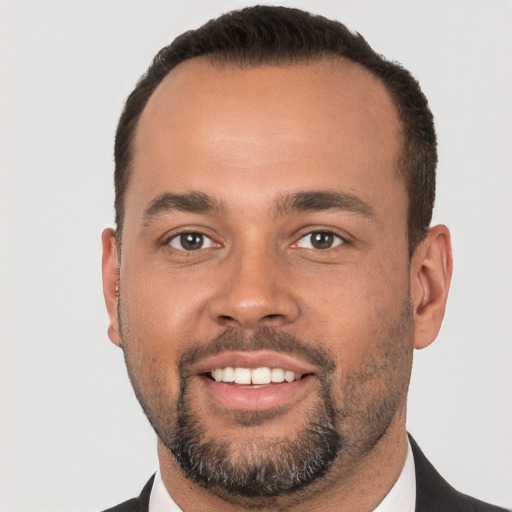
[
  {"x": 431, "y": 272},
  {"x": 110, "y": 269}
]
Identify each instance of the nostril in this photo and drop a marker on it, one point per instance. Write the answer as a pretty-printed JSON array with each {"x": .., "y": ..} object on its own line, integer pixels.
[
  {"x": 272, "y": 320},
  {"x": 229, "y": 312},
  {"x": 226, "y": 319},
  {"x": 231, "y": 321},
  {"x": 271, "y": 317}
]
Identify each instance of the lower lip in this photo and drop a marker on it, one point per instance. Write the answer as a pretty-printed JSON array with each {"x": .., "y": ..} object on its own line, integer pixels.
[{"x": 260, "y": 398}]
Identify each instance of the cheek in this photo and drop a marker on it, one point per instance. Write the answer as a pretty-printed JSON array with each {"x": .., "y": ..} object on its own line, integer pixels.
[
  {"x": 355, "y": 303},
  {"x": 148, "y": 316},
  {"x": 374, "y": 367},
  {"x": 162, "y": 310},
  {"x": 365, "y": 324}
]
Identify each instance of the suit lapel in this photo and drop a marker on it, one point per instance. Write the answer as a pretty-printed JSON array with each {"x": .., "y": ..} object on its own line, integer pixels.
[{"x": 434, "y": 494}]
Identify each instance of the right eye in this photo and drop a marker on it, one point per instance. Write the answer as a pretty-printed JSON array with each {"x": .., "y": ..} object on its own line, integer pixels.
[{"x": 191, "y": 242}]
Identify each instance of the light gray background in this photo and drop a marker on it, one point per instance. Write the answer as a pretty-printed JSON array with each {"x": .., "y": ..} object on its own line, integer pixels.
[{"x": 72, "y": 435}]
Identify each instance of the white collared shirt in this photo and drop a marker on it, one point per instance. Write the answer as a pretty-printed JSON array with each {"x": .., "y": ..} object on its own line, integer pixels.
[
  {"x": 401, "y": 497},
  {"x": 160, "y": 500}
]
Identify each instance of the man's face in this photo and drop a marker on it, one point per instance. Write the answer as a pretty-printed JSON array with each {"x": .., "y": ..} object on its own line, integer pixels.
[{"x": 265, "y": 228}]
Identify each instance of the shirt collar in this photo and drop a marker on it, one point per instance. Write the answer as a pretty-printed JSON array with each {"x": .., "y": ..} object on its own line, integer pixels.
[
  {"x": 160, "y": 500},
  {"x": 402, "y": 495}
]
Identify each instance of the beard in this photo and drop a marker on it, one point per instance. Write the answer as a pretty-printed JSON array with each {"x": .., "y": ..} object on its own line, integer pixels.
[
  {"x": 261, "y": 467},
  {"x": 345, "y": 420}
]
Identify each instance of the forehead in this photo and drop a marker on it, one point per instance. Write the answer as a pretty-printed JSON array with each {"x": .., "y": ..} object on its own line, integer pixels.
[{"x": 286, "y": 126}]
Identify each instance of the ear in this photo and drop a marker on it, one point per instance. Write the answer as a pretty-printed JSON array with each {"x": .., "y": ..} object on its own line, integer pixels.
[
  {"x": 431, "y": 274},
  {"x": 110, "y": 268}
]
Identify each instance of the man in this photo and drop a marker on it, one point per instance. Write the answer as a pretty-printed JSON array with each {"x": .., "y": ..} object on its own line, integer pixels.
[{"x": 273, "y": 268}]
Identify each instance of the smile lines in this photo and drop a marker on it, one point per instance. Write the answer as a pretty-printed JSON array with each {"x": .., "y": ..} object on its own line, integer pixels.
[{"x": 262, "y": 375}]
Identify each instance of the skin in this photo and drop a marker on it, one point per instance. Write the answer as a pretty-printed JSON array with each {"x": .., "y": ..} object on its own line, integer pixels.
[{"x": 247, "y": 138}]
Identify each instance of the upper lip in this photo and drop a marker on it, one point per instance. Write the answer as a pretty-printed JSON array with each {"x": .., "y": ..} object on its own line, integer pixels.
[{"x": 253, "y": 359}]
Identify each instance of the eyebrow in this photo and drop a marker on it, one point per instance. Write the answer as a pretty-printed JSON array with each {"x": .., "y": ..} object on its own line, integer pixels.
[
  {"x": 322, "y": 200},
  {"x": 193, "y": 202},
  {"x": 299, "y": 202}
]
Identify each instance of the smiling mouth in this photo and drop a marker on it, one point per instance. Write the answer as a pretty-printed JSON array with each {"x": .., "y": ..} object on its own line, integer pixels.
[{"x": 253, "y": 377}]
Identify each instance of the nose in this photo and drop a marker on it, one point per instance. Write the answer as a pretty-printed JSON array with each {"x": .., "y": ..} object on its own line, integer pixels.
[{"x": 254, "y": 291}]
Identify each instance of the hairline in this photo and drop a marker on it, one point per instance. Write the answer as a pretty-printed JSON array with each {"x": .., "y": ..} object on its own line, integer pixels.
[{"x": 222, "y": 61}]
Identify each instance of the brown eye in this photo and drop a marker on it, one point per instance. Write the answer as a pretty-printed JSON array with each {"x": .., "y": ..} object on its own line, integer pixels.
[
  {"x": 190, "y": 242},
  {"x": 320, "y": 240}
]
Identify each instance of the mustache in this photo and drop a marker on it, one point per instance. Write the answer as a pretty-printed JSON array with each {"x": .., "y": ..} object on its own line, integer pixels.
[{"x": 264, "y": 338}]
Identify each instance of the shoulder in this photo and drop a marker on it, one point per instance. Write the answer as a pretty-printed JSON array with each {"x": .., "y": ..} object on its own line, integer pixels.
[
  {"x": 434, "y": 494},
  {"x": 140, "y": 504}
]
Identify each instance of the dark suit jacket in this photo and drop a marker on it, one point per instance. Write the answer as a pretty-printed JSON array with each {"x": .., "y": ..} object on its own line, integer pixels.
[{"x": 433, "y": 493}]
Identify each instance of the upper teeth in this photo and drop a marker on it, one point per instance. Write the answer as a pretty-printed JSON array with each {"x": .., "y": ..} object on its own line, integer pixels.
[{"x": 255, "y": 376}]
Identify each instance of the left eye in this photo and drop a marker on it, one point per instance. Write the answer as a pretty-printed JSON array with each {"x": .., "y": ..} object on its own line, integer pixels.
[
  {"x": 320, "y": 240},
  {"x": 191, "y": 242}
]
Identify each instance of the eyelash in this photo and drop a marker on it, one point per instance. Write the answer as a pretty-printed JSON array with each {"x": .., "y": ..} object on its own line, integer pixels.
[
  {"x": 178, "y": 238},
  {"x": 341, "y": 239}
]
